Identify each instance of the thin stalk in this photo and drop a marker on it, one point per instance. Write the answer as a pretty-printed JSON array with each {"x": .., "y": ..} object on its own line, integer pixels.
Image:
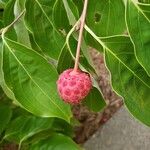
[{"x": 82, "y": 21}]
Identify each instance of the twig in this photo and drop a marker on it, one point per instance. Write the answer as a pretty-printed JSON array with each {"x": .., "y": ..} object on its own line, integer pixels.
[
  {"x": 82, "y": 20},
  {"x": 5, "y": 29}
]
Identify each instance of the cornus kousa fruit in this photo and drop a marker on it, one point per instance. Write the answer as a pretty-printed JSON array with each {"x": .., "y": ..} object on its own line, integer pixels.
[{"x": 73, "y": 86}]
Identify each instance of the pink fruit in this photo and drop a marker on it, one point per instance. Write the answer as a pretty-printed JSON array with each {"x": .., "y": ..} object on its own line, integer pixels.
[{"x": 73, "y": 86}]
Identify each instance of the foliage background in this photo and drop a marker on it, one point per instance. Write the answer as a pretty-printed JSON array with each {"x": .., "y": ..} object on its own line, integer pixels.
[{"x": 42, "y": 43}]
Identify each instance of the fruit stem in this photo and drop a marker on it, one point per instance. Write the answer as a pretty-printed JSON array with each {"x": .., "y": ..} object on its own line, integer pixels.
[{"x": 82, "y": 21}]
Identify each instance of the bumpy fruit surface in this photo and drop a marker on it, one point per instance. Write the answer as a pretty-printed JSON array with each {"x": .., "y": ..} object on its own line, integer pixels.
[{"x": 73, "y": 86}]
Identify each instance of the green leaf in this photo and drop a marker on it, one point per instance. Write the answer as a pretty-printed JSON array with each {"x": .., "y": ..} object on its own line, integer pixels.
[
  {"x": 72, "y": 20},
  {"x": 24, "y": 127},
  {"x": 6, "y": 114},
  {"x": 86, "y": 41},
  {"x": 71, "y": 11},
  {"x": 57, "y": 126},
  {"x": 1, "y": 16},
  {"x": 39, "y": 23},
  {"x": 139, "y": 29},
  {"x": 79, "y": 5},
  {"x": 59, "y": 13},
  {"x": 65, "y": 60},
  {"x": 129, "y": 79},
  {"x": 3, "y": 3},
  {"x": 1, "y": 92},
  {"x": 18, "y": 32},
  {"x": 67, "y": 57},
  {"x": 60, "y": 126},
  {"x": 56, "y": 142},
  {"x": 8, "y": 18},
  {"x": 5, "y": 88},
  {"x": 106, "y": 18},
  {"x": 92, "y": 42},
  {"x": 21, "y": 31},
  {"x": 1, "y": 60},
  {"x": 145, "y": 9},
  {"x": 33, "y": 81},
  {"x": 94, "y": 100},
  {"x": 18, "y": 111},
  {"x": 86, "y": 59}
]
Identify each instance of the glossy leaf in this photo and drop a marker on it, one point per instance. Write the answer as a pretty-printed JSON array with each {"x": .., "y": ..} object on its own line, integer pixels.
[
  {"x": 71, "y": 11},
  {"x": 56, "y": 142},
  {"x": 57, "y": 126},
  {"x": 18, "y": 32},
  {"x": 95, "y": 100},
  {"x": 39, "y": 23},
  {"x": 21, "y": 31},
  {"x": 59, "y": 14},
  {"x": 33, "y": 81},
  {"x": 24, "y": 127},
  {"x": 72, "y": 20},
  {"x": 8, "y": 18},
  {"x": 139, "y": 29},
  {"x": 79, "y": 5},
  {"x": 145, "y": 9},
  {"x": 106, "y": 18},
  {"x": 5, "y": 88},
  {"x": 129, "y": 79}
]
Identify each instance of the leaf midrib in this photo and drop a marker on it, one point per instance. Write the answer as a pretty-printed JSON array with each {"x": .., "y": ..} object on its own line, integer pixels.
[
  {"x": 104, "y": 46},
  {"x": 127, "y": 67},
  {"x": 32, "y": 78}
]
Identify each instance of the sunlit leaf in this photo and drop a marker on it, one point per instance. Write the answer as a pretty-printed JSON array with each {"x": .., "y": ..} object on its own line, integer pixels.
[
  {"x": 129, "y": 79},
  {"x": 21, "y": 31},
  {"x": 71, "y": 11},
  {"x": 106, "y": 18},
  {"x": 56, "y": 142},
  {"x": 59, "y": 13},
  {"x": 33, "y": 81},
  {"x": 8, "y": 18},
  {"x": 39, "y": 23},
  {"x": 24, "y": 127},
  {"x": 139, "y": 29}
]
